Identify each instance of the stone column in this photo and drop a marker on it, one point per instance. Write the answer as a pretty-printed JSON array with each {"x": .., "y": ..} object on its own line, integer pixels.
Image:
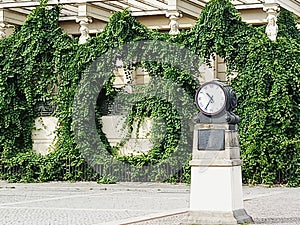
[
  {"x": 174, "y": 25},
  {"x": 84, "y": 30},
  {"x": 272, "y": 9}
]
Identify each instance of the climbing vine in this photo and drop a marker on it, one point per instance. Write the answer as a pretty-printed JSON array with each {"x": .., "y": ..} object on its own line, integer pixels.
[
  {"x": 28, "y": 76},
  {"x": 267, "y": 85},
  {"x": 287, "y": 25},
  {"x": 39, "y": 57},
  {"x": 123, "y": 29}
]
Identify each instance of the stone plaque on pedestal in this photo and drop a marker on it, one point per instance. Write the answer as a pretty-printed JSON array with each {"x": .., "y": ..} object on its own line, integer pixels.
[{"x": 211, "y": 139}]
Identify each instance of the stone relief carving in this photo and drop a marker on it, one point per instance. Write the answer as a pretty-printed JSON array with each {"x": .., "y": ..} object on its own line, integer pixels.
[
  {"x": 84, "y": 30},
  {"x": 272, "y": 9},
  {"x": 2, "y": 31},
  {"x": 174, "y": 26},
  {"x": 272, "y": 27}
]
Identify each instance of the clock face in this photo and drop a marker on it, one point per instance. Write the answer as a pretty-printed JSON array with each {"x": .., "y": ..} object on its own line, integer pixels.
[{"x": 210, "y": 98}]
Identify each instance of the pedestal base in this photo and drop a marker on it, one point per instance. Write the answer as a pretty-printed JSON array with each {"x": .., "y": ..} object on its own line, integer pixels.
[
  {"x": 239, "y": 216},
  {"x": 216, "y": 188},
  {"x": 216, "y": 177},
  {"x": 216, "y": 195}
]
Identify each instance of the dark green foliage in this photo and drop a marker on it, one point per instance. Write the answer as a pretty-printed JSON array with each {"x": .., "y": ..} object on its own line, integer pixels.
[
  {"x": 220, "y": 29},
  {"x": 267, "y": 85},
  {"x": 287, "y": 25},
  {"x": 52, "y": 59},
  {"x": 29, "y": 71},
  {"x": 123, "y": 29},
  {"x": 269, "y": 105}
]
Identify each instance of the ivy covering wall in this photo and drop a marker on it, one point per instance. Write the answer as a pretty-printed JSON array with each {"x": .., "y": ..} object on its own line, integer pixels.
[
  {"x": 39, "y": 56},
  {"x": 267, "y": 85}
]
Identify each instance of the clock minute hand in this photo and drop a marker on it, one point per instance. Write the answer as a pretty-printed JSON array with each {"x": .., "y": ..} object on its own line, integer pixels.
[
  {"x": 210, "y": 101},
  {"x": 207, "y": 104}
]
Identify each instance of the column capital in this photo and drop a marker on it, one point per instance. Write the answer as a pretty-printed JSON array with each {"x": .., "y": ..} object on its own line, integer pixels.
[
  {"x": 174, "y": 25},
  {"x": 271, "y": 6},
  {"x": 83, "y": 20},
  {"x": 173, "y": 13}
]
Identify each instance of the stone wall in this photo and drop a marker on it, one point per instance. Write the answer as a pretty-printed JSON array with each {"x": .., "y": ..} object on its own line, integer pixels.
[{"x": 134, "y": 143}]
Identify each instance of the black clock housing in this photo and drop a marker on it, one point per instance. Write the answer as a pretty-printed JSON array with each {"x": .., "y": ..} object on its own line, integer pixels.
[{"x": 224, "y": 115}]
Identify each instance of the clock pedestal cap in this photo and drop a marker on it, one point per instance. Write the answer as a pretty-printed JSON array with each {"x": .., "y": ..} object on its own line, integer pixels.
[{"x": 216, "y": 179}]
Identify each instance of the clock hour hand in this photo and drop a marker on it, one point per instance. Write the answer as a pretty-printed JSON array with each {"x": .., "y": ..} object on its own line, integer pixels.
[{"x": 211, "y": 98}]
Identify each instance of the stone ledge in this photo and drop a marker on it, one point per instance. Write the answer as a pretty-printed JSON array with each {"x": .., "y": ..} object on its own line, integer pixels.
[{"x": 216, "y": 163}]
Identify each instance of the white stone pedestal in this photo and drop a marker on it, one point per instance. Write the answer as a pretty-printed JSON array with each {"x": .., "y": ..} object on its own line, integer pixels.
[
  {"x": 216, "y": 196},
  {"x": 216, "y": 180},
  {"x": 216, "y": 188}
]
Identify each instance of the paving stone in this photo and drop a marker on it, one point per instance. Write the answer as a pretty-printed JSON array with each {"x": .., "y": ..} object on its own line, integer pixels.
[{"x": 89, "y": 203}]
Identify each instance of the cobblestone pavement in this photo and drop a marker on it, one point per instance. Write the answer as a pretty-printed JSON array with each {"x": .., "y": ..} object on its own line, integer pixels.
[{"x": 88, "y": 203}]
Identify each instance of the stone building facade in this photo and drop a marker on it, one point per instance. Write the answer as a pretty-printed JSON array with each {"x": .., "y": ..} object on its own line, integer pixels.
[{"x": 85, "y": 18}]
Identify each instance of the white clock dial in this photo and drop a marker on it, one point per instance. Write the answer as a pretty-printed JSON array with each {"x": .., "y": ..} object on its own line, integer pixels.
[{"x": 211, "y": 98}]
